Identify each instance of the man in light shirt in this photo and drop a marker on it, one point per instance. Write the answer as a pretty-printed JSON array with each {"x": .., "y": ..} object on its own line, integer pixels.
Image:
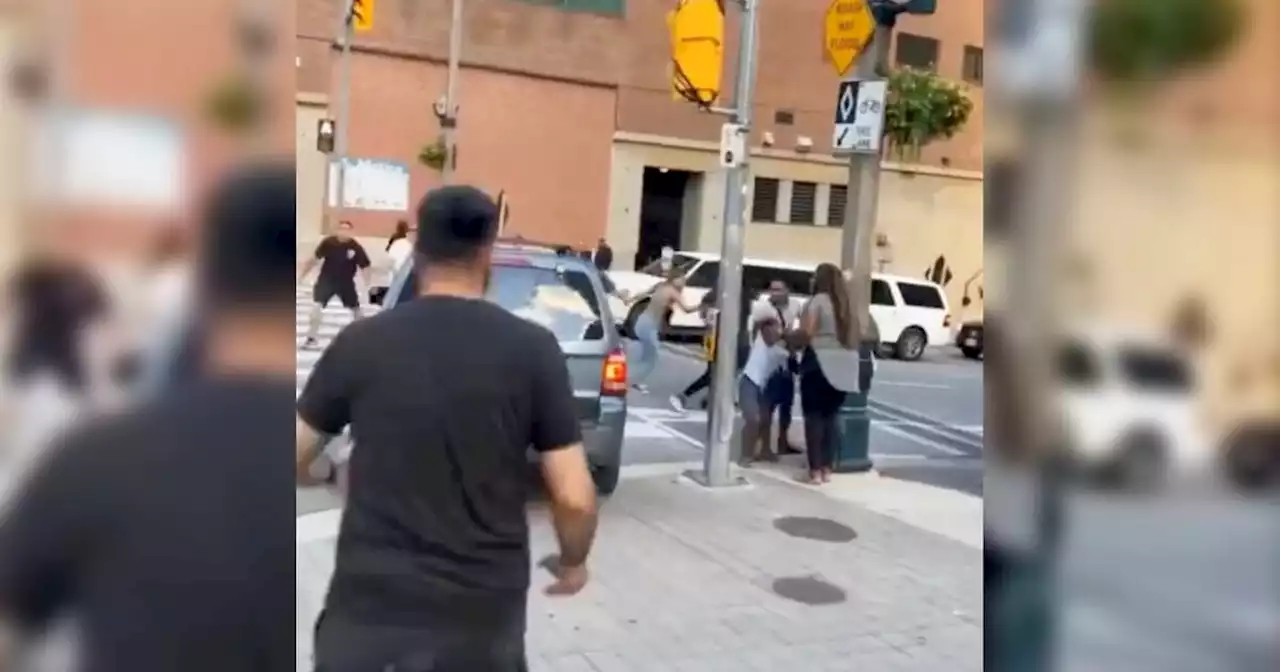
[
  {"x": 780, "y": 390},
  {"x": 768, "y": 353}
]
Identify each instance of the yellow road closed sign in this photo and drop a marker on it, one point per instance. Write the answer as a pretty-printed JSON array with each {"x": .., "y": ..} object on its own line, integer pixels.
[{"x": 848, "y": 28}]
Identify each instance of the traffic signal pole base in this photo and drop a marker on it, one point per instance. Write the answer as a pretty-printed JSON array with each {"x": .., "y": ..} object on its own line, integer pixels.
[
  {"x": 700, "y": 477},
  {"x": 853, "y": 451}
]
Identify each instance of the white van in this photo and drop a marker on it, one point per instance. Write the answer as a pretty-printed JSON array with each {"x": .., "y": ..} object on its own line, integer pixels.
[{"x": 911, "y": 313}]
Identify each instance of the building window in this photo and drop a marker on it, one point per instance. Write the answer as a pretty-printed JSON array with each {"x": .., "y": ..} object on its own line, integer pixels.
[
  {"x": 804, "y": 197},
  {"x": 836, "y": 204},
  {"x": 784, "y": 117},
  {"x": 917, "y": 51},
  {"x": 764, "y": 200},
  {"x": 973, "y": 65},
  {"x": 611, "y": 7}
]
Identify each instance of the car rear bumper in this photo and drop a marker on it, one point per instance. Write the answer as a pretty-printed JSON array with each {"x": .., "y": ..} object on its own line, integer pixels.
[{"x": 603, "y": 438}]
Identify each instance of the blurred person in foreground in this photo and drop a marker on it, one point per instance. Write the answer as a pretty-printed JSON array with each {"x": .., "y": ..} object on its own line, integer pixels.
[
  {"x": 828, "y": 367},
  {"x": 433, "y": 569},
  {"x": 341, "y": 257},
  {"x": 56, "y": 360},
  {"x": 166, "y": 532},
  {"x": 167, "y": 308}
]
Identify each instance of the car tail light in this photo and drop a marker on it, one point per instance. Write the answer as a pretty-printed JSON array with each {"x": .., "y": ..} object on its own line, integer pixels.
[
  {"x": 946, "y": 320},
  {"x": 614, "y": 378}
]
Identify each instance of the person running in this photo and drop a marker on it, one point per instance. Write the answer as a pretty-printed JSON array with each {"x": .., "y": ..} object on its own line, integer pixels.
[
  {"x": 432, "y": 567},
  {"x": 190, "y": 566},
  {"x": 780, "y": 391},
  {"x": 709, "y": 313},
  {"x": 340, "y": 257},
  {"x": 665, "y": 296}
]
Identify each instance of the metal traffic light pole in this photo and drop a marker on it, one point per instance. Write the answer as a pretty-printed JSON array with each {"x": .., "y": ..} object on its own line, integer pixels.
[
  {"x": 717, "y": 469},
  {"x": 340, "y": 147},
  {"x": 449, "y": 114}
]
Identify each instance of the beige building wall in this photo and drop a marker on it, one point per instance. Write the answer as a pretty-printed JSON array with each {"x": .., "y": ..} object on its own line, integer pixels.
[
  {"x": 1184, "y": 217},
  {"x": 924, "y": 213}
]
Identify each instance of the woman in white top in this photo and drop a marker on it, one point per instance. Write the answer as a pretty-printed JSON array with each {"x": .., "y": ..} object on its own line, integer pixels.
[{"x": 399, "y": 249}]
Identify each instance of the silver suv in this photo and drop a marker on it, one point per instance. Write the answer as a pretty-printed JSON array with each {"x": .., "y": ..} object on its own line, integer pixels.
[{"x": 566, "y": 295}]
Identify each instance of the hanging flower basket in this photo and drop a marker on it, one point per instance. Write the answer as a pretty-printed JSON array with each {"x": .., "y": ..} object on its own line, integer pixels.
[
  {"x": 235, "y": 105},
  {"x": 922, "y": 108},
  {"x": 434, "y": 155},
  {"x": 1133, "y": 43}
]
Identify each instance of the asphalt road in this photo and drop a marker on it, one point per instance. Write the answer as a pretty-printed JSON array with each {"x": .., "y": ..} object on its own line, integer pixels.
[{"x": 926, "y": 415}]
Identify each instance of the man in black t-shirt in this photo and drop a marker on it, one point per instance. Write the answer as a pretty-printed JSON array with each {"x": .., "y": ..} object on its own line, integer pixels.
[
  {"x": 340, "y": 257},
  {"x": 167, "y": 531},
  {"x": 432, "y": 568}
]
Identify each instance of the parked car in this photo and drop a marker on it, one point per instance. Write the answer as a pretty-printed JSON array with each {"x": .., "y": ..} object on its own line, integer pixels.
[
  {"x": 565, "y": 294},
  {"x": 969, "y": 339},
  {"x": 911, "y": 314},
  {"x": 1130, "y": 410}
]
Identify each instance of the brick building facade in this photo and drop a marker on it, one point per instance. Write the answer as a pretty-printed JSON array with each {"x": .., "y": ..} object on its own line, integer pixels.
[{"x": 565, "y": 107}]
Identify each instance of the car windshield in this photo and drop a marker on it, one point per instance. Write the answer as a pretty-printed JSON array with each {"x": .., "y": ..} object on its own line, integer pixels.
[
  {"x": 562, "y": 300},
  {"x": 1156, "y": 369},
  {"x": 681, "y": 263}
]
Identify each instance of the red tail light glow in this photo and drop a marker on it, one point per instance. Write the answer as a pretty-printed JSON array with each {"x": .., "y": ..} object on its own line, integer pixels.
[{"x": 614, "y": 378}]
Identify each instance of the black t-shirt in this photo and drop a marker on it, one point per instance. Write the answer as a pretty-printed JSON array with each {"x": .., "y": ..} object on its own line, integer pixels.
[
  {"x": 340, "y": 259},
  {"x": 444, "y": 397},
  {"x": 167, "y": 532},
  {"x": 54, "y": 303}
]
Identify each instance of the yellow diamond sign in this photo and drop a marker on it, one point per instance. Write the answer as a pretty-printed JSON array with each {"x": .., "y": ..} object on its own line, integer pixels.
[{"x": 848, "y": 28}]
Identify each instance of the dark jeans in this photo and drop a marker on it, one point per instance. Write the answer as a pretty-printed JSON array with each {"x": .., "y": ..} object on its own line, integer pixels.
[
  {"x": 820, "y": 403},
  {"x": 781, "y": 393},
  {"x": 821, "y": 434},
  {"x": 343, "y": 646},
  {"x": 703, "y": 382},
  {"x": 700, "y": 383}
]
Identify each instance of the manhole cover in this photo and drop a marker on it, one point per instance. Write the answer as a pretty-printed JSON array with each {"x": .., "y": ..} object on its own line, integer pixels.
[
  {"x": 818, "y": 529},
  {"x": 808, "y": 590}
]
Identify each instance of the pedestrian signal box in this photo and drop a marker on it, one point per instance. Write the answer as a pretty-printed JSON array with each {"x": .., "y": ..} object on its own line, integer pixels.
[{"x": 325, "y": 132}]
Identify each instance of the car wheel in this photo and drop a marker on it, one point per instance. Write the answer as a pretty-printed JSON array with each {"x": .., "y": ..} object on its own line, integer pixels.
[
  {"x": 634, "y": 316},
  {"x": 606, "y": 478},
  {"x": 971, "y": 352},
  {"x": 1253, "y": 459},
  {"x": 910, "y": 345}
]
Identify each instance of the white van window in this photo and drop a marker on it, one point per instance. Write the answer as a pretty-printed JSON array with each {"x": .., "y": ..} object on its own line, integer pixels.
[
  {"x": 1078, "y": 365},
  {"x": 704, "y": 276},
  {"x": 921, "y": 296},
  {"x": 680, "y": 263},
  {"x": 1146, "y": 368},
  {"x": 881, "y": 295}
]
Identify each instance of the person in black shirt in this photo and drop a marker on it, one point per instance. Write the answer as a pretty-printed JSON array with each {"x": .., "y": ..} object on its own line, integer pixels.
[
  {"x": 56, "y": 303},
  {"x": 603, "y": 256},
  {"x": 167, "y": 532},
  {"x": 432, "y": 567},
  {"x": 340, "y": 257}
]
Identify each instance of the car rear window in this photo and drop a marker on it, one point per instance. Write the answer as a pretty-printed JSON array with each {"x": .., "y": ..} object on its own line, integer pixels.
[{"x": 564, "y": 301}]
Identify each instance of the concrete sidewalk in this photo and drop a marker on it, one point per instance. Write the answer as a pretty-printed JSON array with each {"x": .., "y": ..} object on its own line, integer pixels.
[{"x": 767, "y": 577}]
